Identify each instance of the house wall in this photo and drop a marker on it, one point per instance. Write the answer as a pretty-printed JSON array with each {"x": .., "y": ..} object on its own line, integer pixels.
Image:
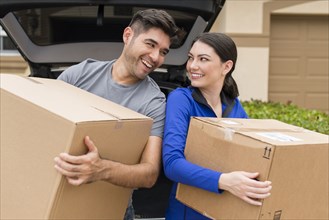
[
  {"x": 249, "y": 23},
  {"x": 14, "y": 64}
]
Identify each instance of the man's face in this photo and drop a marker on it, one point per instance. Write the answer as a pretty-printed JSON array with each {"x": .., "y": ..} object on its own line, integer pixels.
[{"x": 145, "y": 52}]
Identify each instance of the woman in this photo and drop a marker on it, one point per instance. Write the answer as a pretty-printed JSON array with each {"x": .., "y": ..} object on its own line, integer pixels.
[{"x": 213, "y": 93}]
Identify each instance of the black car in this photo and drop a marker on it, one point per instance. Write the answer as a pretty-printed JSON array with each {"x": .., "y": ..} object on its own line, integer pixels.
[{"x": 52, "y": 35}]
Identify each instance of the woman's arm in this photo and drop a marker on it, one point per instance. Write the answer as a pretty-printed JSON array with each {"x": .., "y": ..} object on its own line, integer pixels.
[{"x": 176, "y": 167}]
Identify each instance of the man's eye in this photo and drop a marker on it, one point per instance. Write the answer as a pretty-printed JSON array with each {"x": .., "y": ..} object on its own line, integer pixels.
[
  {"x": 163, "y": 53},
  {"x": 150, "y": 45}
]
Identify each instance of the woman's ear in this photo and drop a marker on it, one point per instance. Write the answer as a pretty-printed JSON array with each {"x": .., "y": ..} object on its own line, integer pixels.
[
  {"x": 127, "y": 34},
  {"x": 227, "y": 67}
]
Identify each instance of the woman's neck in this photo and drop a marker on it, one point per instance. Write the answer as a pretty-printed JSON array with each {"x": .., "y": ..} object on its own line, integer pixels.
[{"x": 213, "y": 99}]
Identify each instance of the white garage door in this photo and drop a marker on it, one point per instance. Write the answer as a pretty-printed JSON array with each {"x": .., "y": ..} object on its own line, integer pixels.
[{"x": 299, "y": 61}]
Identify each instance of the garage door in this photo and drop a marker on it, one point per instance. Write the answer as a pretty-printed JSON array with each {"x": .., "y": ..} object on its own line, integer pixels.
[{"x": 299, "y": 61}]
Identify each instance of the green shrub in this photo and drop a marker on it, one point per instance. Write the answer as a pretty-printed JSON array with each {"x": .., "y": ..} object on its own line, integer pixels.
[{"x": 310, "y": 119}]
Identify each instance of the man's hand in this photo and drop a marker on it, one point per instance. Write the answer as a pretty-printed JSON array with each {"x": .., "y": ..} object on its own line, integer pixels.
[
  {"x": 243, "y": 185},
  {"x": 80, "y": 169},
  {"x": 90, "y": 167}
]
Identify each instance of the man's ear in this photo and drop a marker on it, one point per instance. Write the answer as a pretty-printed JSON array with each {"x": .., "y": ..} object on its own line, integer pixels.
[
  {"x": 228, "y": 66},
  {"x": 127, "y": 34}
]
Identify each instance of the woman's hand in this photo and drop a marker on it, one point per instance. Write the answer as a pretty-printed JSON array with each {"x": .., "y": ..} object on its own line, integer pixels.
[{"x": 245, "y": 186}]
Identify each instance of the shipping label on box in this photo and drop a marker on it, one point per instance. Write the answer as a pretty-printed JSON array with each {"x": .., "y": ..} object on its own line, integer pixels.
[{"x": 294, "y": 159}]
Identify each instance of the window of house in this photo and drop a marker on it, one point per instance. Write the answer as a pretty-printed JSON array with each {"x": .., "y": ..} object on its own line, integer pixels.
[{"x": 6, "y": 45}]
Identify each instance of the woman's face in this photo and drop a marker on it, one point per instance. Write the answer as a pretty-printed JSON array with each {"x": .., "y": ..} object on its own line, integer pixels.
[{"x": 205, "y": 68}]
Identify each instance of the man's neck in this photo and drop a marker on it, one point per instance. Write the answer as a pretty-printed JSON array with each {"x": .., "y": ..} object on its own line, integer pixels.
[{"x": 121, "y": 75}]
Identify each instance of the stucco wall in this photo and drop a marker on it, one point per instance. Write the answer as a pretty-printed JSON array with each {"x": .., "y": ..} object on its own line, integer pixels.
[{"x": 248, "y": 23}]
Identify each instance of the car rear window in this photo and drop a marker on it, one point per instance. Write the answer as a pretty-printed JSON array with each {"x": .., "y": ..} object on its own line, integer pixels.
[{"x": 47, "y": 26}]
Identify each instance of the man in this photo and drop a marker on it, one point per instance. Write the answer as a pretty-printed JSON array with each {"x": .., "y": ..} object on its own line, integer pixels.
[{"x": 126, "y": 82}]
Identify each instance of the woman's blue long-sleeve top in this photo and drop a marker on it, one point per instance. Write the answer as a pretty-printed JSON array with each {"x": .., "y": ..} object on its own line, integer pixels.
[{"x": 182, "y": 104}]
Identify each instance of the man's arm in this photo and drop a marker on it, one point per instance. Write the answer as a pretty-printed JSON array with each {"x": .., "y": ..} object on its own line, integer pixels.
[{"x": 91, "y": 167}]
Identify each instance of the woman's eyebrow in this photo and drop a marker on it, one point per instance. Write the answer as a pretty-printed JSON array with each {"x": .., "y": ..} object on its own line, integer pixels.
[
  {"x": 203, "y": 54},
  {"x": 199, "y": 55}
]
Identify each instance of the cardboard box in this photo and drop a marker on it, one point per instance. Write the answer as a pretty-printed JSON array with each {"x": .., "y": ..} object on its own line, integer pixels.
[
  {"x": 294, "y": 159},
  {"x": 40, "y": 118}
]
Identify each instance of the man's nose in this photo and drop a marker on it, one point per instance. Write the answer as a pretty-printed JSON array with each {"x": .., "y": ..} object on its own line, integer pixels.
[{"x": 155, "y": 55}]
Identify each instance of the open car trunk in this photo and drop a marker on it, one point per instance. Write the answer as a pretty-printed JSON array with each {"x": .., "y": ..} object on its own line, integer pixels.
[{"x": 53, "y": 35}]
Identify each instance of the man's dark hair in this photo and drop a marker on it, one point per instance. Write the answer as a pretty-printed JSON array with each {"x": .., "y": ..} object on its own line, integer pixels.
[{"x": 146, "y": 19}]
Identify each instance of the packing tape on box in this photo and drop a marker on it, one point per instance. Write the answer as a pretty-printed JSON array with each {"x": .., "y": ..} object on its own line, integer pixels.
[{"x": 228, "y": 134}]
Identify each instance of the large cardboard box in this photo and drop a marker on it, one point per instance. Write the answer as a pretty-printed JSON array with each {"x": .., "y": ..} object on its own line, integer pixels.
[
  {"x": 294, "y": 159},
  {"x": 41, "y": 118}
]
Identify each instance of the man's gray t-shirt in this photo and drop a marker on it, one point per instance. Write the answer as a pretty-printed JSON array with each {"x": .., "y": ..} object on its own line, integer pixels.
[{"x": 144, "y": 97}]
